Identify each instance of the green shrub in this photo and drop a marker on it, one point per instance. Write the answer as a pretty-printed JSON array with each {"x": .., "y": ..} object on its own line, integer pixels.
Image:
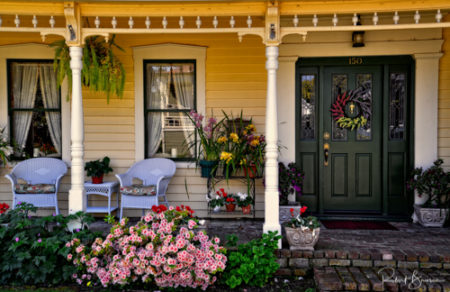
[
  {"x": 33, "y": 248},
  {"x": 253, "y": 263}
]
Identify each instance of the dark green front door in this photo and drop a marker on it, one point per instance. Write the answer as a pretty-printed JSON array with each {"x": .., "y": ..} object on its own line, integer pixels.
[
  {"x": 351, "y": 169},
  {"x": 363, "y": 170}
]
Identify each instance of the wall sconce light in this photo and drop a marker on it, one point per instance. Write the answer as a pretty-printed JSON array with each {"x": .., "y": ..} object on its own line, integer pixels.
[{"x": 358, "y": 36}]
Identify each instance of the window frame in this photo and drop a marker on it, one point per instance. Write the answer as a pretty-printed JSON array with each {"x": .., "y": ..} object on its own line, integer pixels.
[
  {"x": 9, "y": 63},
  {"x": 147, "y": 110}
]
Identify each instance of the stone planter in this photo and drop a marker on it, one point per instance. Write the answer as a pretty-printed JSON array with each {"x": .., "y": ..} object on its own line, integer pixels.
[
  {"x": 431, "y": 217},
  {"x": 285, "y": 213},
  {"x": 302, "y": 239}
]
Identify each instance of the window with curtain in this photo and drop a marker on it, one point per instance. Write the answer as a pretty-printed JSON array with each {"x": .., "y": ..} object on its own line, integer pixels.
[
  {"x": 169, "y": 95},
  {"x": 34, "y": 104}
]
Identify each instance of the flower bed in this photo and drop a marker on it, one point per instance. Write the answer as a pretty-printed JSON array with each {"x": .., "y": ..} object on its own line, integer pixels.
[{"x": 154, "y": 251}]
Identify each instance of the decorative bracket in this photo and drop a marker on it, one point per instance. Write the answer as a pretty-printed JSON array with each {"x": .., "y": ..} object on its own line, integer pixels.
[
  {"x": 73, "y": 24},
  {"x": 272, "y": 34}
]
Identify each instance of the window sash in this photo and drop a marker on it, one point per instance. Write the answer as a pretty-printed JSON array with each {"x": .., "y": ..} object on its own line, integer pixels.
[{"x": 148, "y": 110}]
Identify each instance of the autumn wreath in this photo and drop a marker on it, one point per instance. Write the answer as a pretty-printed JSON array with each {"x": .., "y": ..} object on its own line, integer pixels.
[{"x": 350, "y": 110}]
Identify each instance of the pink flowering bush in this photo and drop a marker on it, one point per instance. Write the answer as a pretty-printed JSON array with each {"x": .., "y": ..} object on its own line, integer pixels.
[{"x": 159, "y": 250}]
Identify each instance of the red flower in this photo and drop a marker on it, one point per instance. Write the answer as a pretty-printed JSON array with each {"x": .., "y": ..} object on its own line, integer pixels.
[
  {"x": 159, "y": 209},
  {"x": 303, "y": 210},
  {"x": 178, "y": 208},
  {"x": 292, "y": 212}
]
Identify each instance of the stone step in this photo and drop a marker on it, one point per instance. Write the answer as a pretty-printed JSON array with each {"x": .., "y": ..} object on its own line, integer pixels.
[
  {"x": 381, "y": 279},
  {"x": 298, "y": 262}
]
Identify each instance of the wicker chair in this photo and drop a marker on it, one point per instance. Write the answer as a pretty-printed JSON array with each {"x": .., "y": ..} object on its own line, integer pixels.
[
  {"x": 155, "y": 174},
  {"x": 41, "y": 177}
]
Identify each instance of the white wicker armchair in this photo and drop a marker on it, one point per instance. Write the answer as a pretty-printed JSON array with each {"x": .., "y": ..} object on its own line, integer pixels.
[
  {"x": 155, "y": 174},
  {"x": 42, "y": 177}
]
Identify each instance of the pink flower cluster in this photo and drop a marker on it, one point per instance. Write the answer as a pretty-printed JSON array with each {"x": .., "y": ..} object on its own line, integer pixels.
[{"x": 156, "y": 248}]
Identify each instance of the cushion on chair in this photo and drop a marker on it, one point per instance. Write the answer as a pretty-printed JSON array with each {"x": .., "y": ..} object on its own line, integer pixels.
[
  {"x": 35, "y": 189},
  {"x": 139, "y": 190}
]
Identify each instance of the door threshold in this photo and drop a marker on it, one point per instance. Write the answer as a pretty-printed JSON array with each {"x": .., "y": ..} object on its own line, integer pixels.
[{"x": 364, "y": 217}]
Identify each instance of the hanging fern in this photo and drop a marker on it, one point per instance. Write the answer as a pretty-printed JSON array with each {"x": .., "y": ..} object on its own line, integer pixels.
[{"x": 102, "y": 70}]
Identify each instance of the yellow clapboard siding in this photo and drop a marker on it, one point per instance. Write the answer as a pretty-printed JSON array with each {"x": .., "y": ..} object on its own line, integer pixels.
[
  {"x": 110, "y": 120},
  {"x": 108, "y": 111},
  {"x": 106, "y": 137}
]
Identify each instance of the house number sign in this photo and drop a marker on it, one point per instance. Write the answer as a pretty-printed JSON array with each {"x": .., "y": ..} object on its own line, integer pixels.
[{"x": 355, "y": 60}]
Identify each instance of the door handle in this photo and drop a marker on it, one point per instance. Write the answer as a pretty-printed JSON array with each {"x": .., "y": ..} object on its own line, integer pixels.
[{"x": 326, "y": 148}]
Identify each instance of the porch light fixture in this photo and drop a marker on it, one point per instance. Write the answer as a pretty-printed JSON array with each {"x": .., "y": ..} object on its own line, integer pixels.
[{"x": 358, "y": 36}]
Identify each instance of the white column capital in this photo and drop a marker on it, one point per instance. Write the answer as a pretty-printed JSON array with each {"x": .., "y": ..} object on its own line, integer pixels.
[{"x": 428, "y": 56}]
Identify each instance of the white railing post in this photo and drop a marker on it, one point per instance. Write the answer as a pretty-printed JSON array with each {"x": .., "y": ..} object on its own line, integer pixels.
[
  {"x": 76, "y": 193},
  {"x": 271, "y": 198}
]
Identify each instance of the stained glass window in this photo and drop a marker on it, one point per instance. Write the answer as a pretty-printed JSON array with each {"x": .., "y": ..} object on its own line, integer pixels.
[
  {"x": 397, "y": 93},
  {"x": 364, "y": 85},
  {"x": 308, "y": 100},
  {"x": 339, "y": 86}
]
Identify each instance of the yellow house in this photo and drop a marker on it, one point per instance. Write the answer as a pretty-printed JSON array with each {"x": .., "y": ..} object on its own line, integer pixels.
[{"x": 284, "y": 63}]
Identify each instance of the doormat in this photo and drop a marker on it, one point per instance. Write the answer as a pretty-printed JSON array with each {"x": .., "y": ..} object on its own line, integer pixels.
[{"x": 365, "y": 225}]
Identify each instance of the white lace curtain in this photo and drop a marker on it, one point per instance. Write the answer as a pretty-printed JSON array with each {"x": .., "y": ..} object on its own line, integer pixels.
[
  {"x": 157, "y": 90},
  {"x": 25, "y": 77},
  {"x": 51, "y": 99},
  {"x": 24, "y": 89},
  {"x": 184, "y": 89}
]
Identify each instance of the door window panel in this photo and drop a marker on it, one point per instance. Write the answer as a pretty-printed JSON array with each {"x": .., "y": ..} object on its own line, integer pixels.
[
  {"x": 364, "y": 84},
  {"x": 339, "y": 86},
  {"x": 308, "y": 98},
  {"x": 397, "y": 93}
]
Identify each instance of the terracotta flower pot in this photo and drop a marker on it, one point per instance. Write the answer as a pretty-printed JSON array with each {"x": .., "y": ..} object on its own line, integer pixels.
[
  {"x": 97, "y": 179},
  {"x": 302, "y": 239},
  {"x": 247, "y": 209},
  {"x": 230, "y": 207},
  {"x": 250, "y": 171}
]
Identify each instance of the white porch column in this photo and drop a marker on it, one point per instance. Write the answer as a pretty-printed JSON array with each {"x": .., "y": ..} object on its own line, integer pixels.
[
  {"x": 271, "y": 196},
  {"x": 76, "y": 193},
  {"x": 426, "y": 112}
]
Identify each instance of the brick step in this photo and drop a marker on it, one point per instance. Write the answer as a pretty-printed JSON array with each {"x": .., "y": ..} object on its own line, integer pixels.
[
  {"x": 381, "y": 279},
  {"x": 297, "y": 262}
]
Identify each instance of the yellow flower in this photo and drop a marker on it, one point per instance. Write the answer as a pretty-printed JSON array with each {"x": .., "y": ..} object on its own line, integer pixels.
[
  {"x": 222, "y": 140},
  {"x": 243, "y": 161},
  {"x": 254, "y": 142},
  {"x": 226, "y": 156},
  {"x": 234, "y": 137},
  {"x": 251, "y": 128}
]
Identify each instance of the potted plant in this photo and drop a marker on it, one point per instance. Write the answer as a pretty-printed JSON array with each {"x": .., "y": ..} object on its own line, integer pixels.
[
  {"x": 290, "y": 185},
  {"x": 302, "y": 232},
  {"x": 5, "y": 149},
  {"x": 97, "y": 168},
  {"x": 217, "y": 202},
  {"x": 209, "y": 147},
  {"x": 434, "y": 183},
  {"x": 244, "y": 201}
]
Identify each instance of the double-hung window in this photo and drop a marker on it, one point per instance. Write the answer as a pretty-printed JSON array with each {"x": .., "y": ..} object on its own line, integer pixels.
[
  {"x": 34, "y": 107},
  {"x": 169, "y": 95}
]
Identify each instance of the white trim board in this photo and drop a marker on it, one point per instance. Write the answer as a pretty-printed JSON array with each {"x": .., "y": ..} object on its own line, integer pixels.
[
  {"x": 163, "y": 52},
  {"x": 38, "y": 52}
]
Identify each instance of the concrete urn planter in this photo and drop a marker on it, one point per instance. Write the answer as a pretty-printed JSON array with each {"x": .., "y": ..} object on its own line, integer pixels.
[
  {"x": 431, "y": 217},
  {"x": 285, "y": 214},
  {"x": 302, "y": 238}
]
